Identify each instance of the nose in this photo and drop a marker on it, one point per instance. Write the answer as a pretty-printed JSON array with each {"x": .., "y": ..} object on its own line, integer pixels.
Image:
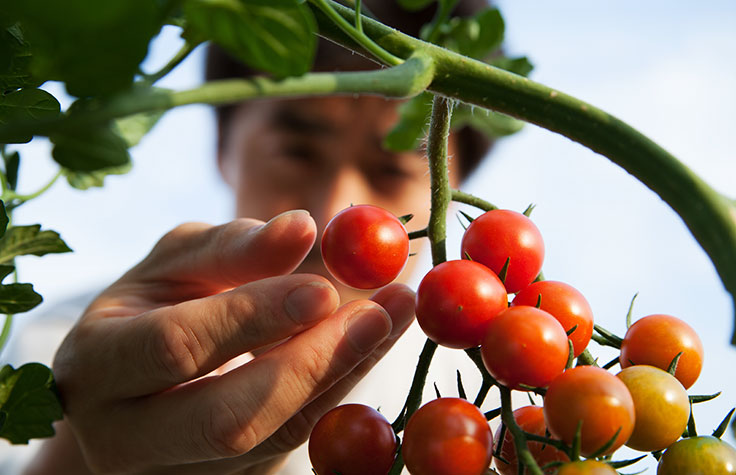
[{"x": 345, "y": 186}]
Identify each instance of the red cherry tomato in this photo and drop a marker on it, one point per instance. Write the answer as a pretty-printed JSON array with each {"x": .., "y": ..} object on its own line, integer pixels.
[
  {"x": 661, "y": 404},
  {"x": 456, "y": 300},
  {"x": 503, "y": 234},
  {"x": 566, "y": 304},
  {"x": 525, "y": 345},
  {"x": 703, "y": 455},
  {"x": 365, "y": 247},
  {"x": 655, "y": 340},
  {"x": 587, "y": 467},
  {"x": 447, "y": 436},
  {"x": 597, "y": 398},
  {"x": 352, "y": 439},
  {"x": 530, "y": 419}
]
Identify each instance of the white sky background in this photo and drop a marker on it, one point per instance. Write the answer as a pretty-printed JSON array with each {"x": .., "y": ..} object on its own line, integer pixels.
[{"x": 667, "y": 68}]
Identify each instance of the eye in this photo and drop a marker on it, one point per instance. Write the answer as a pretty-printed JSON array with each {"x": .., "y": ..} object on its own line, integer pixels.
[{"x": 299, "y": 153}]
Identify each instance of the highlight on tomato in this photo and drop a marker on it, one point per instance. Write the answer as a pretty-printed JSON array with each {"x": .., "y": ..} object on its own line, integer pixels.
[
  {"x": 447, "y": 436},
  {"x": 524, "y": 346},
  {"x": 566, "y": 304},
  {"x": 365, "y": 247},
  {"x": 352, "y": 439},
  {"x": 661, "y": 404},
  {"x": 500, "y": 235},
  {"x": 529, "y": 419},
  {"x": 672, "y": 336},
  {"x": 599, "y": 400},
  {"x": 457, "y": 300}
]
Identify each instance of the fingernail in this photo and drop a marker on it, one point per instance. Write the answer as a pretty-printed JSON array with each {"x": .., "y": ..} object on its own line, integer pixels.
[
  {"x": 294, "y": 212},
  {"x": 367, "y": 327},
  {"x": 401, "y": 308},
  {"x": 310, "y": 302}
]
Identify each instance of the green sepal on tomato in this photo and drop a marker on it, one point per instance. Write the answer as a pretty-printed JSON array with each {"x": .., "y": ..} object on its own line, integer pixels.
[
  {"x": 529, "y": 419},
  {"x": 566, "y": 304},
  {"x": 457, "y": 300},
  {"x": 365, "y": 247},
  {"x": 500, "y": 235}
]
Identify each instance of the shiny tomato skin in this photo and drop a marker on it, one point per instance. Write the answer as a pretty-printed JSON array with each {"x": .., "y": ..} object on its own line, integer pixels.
[
  {"x": 503, "y": 234},
  {"x": 661, "y": 405},
  {"x": 566, "y": 304},
  {"x": 447, "y": 436},
  {"x": 656, "y": 339},
  {"x": 365, "y": 247},
  {"x": 530, "y": 419},
  {"x": 456, "y": 301},
  {"x": 702, "y": 455},
  {"x": 524, "y": 345},
  {"x": 352, "y": 439},
  {"x": 594, "y": 396},
  {"x": 586, "y": 467}
]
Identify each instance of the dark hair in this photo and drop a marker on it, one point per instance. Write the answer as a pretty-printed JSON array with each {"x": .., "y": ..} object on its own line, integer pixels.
[{"x": 472, "y": 145}]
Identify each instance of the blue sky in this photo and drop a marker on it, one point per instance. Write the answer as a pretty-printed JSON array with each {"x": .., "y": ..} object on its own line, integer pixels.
[{"x": 665, "y": 67}]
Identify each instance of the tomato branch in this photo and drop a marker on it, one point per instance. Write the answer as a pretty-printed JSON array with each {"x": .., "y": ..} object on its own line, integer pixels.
[
  {"x": 522, "y": 451},
  {"x": 468, "y": 199}
]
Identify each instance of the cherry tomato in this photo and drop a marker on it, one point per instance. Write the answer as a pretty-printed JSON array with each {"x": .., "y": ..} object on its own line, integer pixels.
[
  {"x": 587, "y": 467},
  {"x": 655, "y": 340},
  {"x": 597, "y": 398},
  {"x": 501, "y": 234},
  {"x": 525, "y": 345},
  {"x": 702, "y": 455},
  {"x": 456, "y": 300},
  {"x": 365, "y": 247},
  {"x": 566, "y": 304},
  {"x": 447, "y": 436},
  {"x": 352, "y": 439},
  {"x": 661, "y": 405},
  {"x": 530, "y": 419}
]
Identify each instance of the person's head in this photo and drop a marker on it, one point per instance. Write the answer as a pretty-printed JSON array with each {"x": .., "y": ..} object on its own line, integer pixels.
[{"x": 323, "y": 154}]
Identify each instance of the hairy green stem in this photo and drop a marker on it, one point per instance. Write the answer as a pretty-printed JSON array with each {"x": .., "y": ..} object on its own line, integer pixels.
[
  {"x": 357, "y": 34},
  {"x": 439, "y": 130},
  {"x": 522, "y": 451},
  {"x": 468, "y": 199}
]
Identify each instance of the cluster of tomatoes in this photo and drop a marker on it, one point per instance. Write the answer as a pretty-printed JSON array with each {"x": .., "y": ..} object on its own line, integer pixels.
[{"x": 526, "y": 344}]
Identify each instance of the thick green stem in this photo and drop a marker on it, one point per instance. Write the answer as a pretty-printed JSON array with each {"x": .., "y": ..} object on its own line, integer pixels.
[
  {"x": 439, "y": 130},
  {"x": 5, "y": 334}
]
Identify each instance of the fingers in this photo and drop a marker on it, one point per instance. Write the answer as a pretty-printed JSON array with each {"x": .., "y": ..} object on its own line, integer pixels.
[
  {"x": 173, "y": 345},
  {"x": 197, "y": 259},
  {"x": 229, "y": 415}
]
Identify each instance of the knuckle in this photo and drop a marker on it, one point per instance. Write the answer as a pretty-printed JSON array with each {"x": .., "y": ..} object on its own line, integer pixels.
[
  {"x": 225, "y": 433},
  {"x": 316, "y": 370},
  {"x": 176, "y": 351},
  {"x": 292, "y": 434}
]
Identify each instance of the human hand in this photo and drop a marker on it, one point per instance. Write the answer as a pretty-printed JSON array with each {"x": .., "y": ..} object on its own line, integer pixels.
[{"x": 142, "y": 378}]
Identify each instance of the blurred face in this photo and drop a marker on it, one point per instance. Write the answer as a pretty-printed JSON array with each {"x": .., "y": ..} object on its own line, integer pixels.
[{"x": 322, "y": 155}]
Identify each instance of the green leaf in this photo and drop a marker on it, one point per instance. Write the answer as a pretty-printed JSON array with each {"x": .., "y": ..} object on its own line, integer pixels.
[
  {"x": 133, "y": 128},
  {"x": 18, "y": 298},
  {"x": 26, "y": 105},
  {"x": 414, "y": 5},
  {"x": 29, "y": 403},
  {"x": 15, "y": 59},
  {"x": 3, "y": 219},
  {"x": 276, "y": 39},
  {"x": 5, "y": 270},
  {"x": 493, "y": 124},
  {"x": 477, "y": 36},
  {"x": 86, "y": 180},
  {"x": 94, "y": 47},
  {"x": 12, "y": 162},
  {"x": 25, "y": 240},
  {"x": 410, "y": 130},
  {"x": 521, "y": 65},
  {"x": 89, "y": 149}
]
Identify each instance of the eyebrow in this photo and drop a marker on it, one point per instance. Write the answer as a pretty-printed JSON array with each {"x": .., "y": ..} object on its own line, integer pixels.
[{"x": 290, "y": 120}]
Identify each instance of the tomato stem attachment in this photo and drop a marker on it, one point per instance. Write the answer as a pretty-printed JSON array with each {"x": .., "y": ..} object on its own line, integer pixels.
[{"x": 468, "y": 199}]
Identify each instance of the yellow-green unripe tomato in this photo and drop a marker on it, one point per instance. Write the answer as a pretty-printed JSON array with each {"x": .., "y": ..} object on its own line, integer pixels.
[
  {"x": 702, "y": 455},
  {"x": 586, "y": 467},
  {"x": 661, "y": 405}
]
